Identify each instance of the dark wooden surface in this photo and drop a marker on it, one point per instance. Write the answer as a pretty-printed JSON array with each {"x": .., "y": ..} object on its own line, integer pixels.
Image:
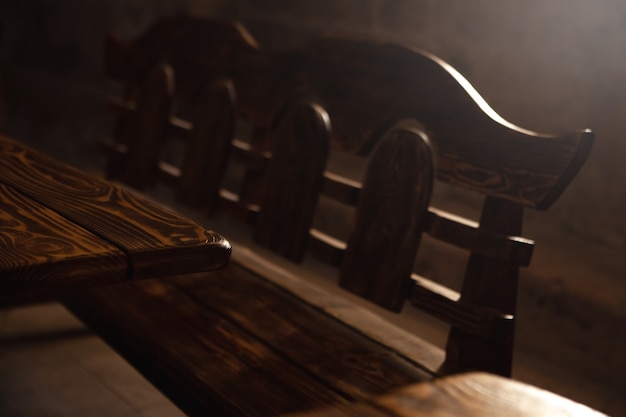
[
  {"x": 364, "y": 85},
  {"x": 294, "y": 180},
  {"x": 390, "y": 217},
  {"x": 407, "y": 117},
  {"x": 43, "y": 254},
  {"x": 231, "y": 343},
  {"x": 464, "y": 395},
  {"x": 60, "y": 221}
]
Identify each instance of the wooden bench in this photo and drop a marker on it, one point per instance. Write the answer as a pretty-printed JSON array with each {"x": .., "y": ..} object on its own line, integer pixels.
[
  {"x": 63, "y": 230},
  {"x": 258, "y": 338},
  {"x": 466, "y": 395}
]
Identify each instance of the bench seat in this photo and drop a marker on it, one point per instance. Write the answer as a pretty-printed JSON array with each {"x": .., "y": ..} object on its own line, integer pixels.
[
  {"x": 259, "y": 337},
  {"x": 247, "y": 340}
]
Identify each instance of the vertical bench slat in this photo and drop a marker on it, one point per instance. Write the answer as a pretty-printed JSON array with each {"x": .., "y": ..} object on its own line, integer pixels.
[
  {"x": 209, "y": 147},
  {"x": 365, "y": 87},
  {"x": 490, "y": 283},
  {"x": 294, "y": 180},
  {"x": 147, "y": 132},
  {"x": 390, "y": 217}
]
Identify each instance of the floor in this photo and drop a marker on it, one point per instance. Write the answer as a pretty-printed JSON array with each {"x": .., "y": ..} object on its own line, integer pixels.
[{"x": 51, "y": 365}]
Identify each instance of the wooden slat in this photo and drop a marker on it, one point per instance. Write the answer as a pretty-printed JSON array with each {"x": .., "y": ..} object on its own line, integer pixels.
[
  {"x": 468, "y": 235},
  {"x": 209, "y": 148},
  {"x": 491, "y": 284},
  {"x": 294, "y": 180},
  {"x": 146, "y": 132},
  {"x": 43, "y": 254},
  {"x": 466, "y": 395},
  {"x": 390, "y": 218},
  {"x": 121, "y": 106},
  {"x": 326, "y": 248},
  {"x": 444, "y": 304},
  {"x": 179, "y": 127},
  {"x": 251, "y": 157},
  {"x": 364, "y": 85},
  {"x": 169, "y": 174},
  {"x": 229, "y": 203},
  {"x": 446, "y": 226},
  {"x": 110, "y": 147},
  {"x": 232, "y": 343},
  {"x": 175, "y": 125},
  {"x": 341, "y": 189},
  {"x": 338, "y": 356},
  {"x": 206, "y": 361},
  {"x": 159, "y": 242}
]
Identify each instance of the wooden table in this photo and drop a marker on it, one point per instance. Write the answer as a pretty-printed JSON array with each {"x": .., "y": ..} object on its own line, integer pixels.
[
  {"x": 463, "y": 395},
  {"x": 62, "y": 229}
]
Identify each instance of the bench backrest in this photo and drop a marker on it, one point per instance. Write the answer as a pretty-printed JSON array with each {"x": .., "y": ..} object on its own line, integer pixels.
[
  {"x": 417, "y": 118},
  {"x": 183, "y": 69},
  {"x": 412, "y": 118}
]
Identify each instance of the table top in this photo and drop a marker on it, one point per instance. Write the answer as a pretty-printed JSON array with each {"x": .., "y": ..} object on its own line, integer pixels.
[
  {"x": 462, "y": 395},
  {"x": 62, "y": 229}
]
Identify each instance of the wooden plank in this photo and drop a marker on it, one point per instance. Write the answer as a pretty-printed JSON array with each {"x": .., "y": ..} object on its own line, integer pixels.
[
  {"x": 209, "y": 147},
  {"x": 340, "y": 357},
  {"x": 472, "y": 319},
  {"x": 466, "y": 395},
  {"x": 304, "y": 283},
  {"x": 175, "y": 125},
  {"x": 326, "y": 248},
  {"x": 468, "y": 235},
  {"x": 364, "y": 85},
  {"x": 197, "y": 355},
  {"x": 342, "y": 189},
  {"x": 159, "y": 242},
  {"x": 43, "y": 254},
  {"x": 147, "y": 129},
  {"x": 492, "y": 284},
  {"x": 294, "y": 180},
  {"x": 252, "y": 157},
  {"x": 390, "y": 218}
]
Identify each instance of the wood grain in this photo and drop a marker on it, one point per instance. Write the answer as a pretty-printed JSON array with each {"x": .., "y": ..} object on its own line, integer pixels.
[
  {"x": 206, "y": 361},
  {"x": 277, "y": 350},
  {"x": 364, "y": 85},
  {"x": 207, "y": 155},
  {"x": 157, "y": 241},
  {"x": 147, "y": 132},
  {"x": 390, "y": 217},
  {"x": 466, "y": 395},
  {"x": 294, "y": 180},
  {"x": 44, "y": 255},
  {"x": 492, "y": 284},
  {"x": 231, "y": 342},
  {"x": 340, "y": 357}
]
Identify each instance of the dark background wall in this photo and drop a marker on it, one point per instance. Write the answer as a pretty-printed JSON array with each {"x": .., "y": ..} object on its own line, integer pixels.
[{"x": 552, "y": 66}]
